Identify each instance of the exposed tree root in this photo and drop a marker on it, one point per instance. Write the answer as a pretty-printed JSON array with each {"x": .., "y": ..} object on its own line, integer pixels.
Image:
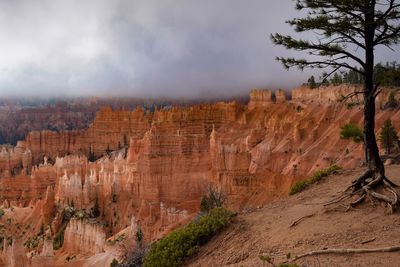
[
  {"x": 368, "y": 241},
  {"x": 366, "y": 186},
  {"x": 345, "y": 251},
  {"x": 358, "y": 201},
  {"x": 360, "y": 181},
  {"x": 390, "y": 182},
  {"x": 299, "y": 220}
]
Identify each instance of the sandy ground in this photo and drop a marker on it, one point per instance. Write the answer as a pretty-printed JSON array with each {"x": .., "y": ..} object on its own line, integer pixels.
[{"x": 268, "y": 231}]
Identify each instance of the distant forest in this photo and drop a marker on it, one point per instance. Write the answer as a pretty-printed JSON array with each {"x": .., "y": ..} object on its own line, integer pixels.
[{"x": 388, "y": 75}]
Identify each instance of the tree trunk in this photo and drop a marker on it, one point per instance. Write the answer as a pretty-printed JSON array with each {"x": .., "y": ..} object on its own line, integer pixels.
[{"x": 374, "y": 160}]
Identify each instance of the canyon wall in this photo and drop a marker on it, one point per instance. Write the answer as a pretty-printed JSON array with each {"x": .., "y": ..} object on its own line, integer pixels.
[{"x": 150, "y": 169}]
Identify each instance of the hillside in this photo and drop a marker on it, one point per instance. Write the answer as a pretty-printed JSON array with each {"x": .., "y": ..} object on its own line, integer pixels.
[{"x": 268, "y": 231}]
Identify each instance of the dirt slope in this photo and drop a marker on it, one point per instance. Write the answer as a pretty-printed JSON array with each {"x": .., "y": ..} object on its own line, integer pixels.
[{"x": 267, "y": 231}]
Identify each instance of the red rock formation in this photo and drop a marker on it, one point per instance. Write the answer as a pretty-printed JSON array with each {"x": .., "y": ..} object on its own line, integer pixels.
[
  {"x": 14, "y": 254},
  {"x": 336, "y": 93},
  {"x": 260, "y": 98},
  {"x": 110, "y": 131},
  {"x": 46, "y": 257},
  {"x": 83, "y": 237},
  {"x": 253, "y": 154},
  {"x": 280, "y": 96},
  {"x": 15, "y": 160}
]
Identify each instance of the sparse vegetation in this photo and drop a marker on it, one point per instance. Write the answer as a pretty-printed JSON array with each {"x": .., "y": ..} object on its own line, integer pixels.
[
  {"x": 58, "y": 240},
  {"x": 116, "y": 240},
  {"x": 114, "y": 197},
  {"x": 299, "y": 108},
  {"x": 133, "y": 255},
  {"x": 172, "y": 249},
  {"x": 288, "y": 265},
  {"x": 392, "y": 102},
  {"x": 317, "y": 176},
  {"x": 33, "y": 242},
  {"x": 114, "y": 263},
  {"x": 388, "y": 136},
  {"x": 70, "y": 258},
  {"x": 311, "y": 82},
  {"x": 214, "y": 199},
  {"x": 268, "y": 259},
  {"x": 298, "y": 187},
  {"x": 265, "y": 259},
  {"x": 80, "y": 215},
  {"x": 95, "y": 211},
  {"x": 352, "y": 105},
  {"x": 1, "y": 213},
  {"x": 352, "y": 131}
]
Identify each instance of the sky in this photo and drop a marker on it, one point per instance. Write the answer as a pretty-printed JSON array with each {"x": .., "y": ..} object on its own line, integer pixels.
[{"x": 144, "y": 48}]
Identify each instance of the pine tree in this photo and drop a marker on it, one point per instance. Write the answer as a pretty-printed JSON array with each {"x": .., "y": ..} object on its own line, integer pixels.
[
  {"x": 311, "y": 82},
  {"x": 340, "y": 28},
  {"x": 337, "y": 79},
  {"x": 388, "y": 136},
  {"x": 392, "y": 102}
]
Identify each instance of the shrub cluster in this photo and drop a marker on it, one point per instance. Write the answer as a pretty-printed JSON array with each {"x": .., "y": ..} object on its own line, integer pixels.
[
  {"x": 172, "y": 249},
  {"x": 33, "y": 242},
  {"x": 318, "y": 175},
  {"x": 58, "y": 240},
  {"x": 214, "y": 199},
  {"x": 352, "y": 131}
]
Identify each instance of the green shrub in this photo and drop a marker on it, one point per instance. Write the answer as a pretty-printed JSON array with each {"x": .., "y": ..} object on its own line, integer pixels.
[
  {"x": 264, "y": 258},
  {"x": 288, "y": 265},
  {"x": 114, "y": 263},
  {"x": 392, "y": 102},
  {"x": 388, "y": 136},
  {"x": 352, "y": 131},
  {"x": 214, "y": 199},
  {"x": 205, "y": 204},
  {"x": 58, "y": 240},
  {"x": 32, "y": 242},
  {"x": 116, "y": 240},
  {"x": 41, "y": 230},
  {"x": 298, "y": 187},
  {"x": 1, "y": 213},
  {"x": 318, "y": 175},
  {"x": 80, "y": 215},
  {"x": 172, "y": 249},
  {"x": 351, "y": 105}
]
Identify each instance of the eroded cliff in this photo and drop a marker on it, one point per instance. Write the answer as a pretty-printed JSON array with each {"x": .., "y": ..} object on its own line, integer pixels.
[{"x": 150, "y": 169}]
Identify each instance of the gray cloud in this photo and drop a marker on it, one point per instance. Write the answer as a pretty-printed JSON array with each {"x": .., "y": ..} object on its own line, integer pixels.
[{"x": 146, "y": 48}]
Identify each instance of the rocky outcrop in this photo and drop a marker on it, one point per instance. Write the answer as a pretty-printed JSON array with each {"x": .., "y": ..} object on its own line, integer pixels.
[
  {"x": 14, "y": 254},
  {"x": 330, "y": 94},
  {"x": 83, "y": 237},
  {"x": 280, "y": 96},
  {"x": 19, "y": 117},
  {"x": 46, "y": 257},
  {"x": 260, "y": 98},
  {"x": 15, "y": 160},
  {"x": 110, "y": 131}
]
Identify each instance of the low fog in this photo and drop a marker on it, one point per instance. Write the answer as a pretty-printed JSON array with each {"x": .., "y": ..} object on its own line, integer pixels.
[{"x": 144, "y": 48}]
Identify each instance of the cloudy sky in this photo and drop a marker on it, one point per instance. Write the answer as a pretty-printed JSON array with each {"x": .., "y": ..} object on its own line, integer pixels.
[{"x": 145, "y": 48}]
